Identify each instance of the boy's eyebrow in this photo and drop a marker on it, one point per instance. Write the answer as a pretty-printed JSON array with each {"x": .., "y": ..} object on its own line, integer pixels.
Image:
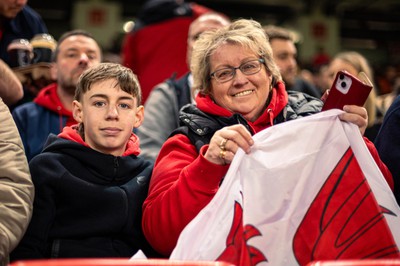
[{"x": 106, "y": 97}]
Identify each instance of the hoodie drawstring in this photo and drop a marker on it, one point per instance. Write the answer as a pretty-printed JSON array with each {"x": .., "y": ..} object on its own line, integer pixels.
[{"x": 271, "y": 116}]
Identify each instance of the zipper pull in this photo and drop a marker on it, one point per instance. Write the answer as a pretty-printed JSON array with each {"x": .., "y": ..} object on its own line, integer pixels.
[{"x": 116, "y": 165}]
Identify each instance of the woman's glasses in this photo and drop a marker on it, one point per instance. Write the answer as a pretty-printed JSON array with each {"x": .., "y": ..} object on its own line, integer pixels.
[{"x": 248, "y": 68}]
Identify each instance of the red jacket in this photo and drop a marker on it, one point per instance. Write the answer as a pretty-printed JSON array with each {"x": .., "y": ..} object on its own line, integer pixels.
[{"x": 183, "y": 181}]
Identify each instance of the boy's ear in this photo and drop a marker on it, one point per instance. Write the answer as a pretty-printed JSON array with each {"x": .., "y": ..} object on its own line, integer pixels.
[
  {"x": 77, "y": 111},
  {"x": 139, "y": 116}
]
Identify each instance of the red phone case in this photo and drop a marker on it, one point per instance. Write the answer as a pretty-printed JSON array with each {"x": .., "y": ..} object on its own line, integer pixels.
[{"x": 347, "y": 90}]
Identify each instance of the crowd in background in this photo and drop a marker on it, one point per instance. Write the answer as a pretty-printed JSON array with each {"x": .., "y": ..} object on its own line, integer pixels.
[{"x": 159, "y": 52}]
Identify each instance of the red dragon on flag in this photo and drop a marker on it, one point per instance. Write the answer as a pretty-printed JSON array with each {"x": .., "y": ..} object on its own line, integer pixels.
[{"x": 343, "y": 222}]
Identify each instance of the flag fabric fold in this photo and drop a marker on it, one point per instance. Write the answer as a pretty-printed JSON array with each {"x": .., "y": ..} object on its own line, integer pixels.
[{"x": 309, "y": 190}]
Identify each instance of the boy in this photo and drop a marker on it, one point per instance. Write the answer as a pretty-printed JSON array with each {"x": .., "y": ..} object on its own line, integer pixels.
[{"x": 89, "y": 182}]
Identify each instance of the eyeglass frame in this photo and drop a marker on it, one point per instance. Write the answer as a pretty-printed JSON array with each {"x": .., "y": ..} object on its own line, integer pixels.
[{"x": 260, "y": 60}]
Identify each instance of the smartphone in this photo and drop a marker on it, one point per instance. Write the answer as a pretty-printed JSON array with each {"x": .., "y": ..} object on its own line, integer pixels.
[{"x": 347, "y": 90}]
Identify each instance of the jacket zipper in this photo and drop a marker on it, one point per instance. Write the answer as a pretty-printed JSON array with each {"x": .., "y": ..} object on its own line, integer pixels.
[{"x": 116, "y": 166}]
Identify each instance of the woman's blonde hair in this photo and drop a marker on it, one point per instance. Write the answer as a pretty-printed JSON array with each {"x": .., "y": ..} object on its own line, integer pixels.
[{"x": 243, "y": 32}]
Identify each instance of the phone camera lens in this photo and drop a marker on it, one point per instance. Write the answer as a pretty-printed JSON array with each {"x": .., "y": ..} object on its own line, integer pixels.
[
  {"x": 341, "y": 76},
  {"x": 343, "y": 84}
]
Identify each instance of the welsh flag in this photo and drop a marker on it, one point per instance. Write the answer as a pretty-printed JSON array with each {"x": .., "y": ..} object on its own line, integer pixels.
[{"x": 309, "y": 190}]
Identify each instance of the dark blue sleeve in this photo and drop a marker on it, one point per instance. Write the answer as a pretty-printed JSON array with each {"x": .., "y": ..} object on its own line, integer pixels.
[
  {"x": 387, "y": 143},
  {"x": 35, "y": 21},
  {"x": 25, "y": 25}
]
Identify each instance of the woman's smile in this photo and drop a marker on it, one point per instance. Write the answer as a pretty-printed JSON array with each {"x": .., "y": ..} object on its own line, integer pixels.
[{"x": 243, "y": 93}]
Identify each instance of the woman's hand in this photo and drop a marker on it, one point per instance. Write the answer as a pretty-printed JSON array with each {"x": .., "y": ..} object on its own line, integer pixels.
[
  {"x": 225, "y": 143},
  {"x": 356, "y": 115}
]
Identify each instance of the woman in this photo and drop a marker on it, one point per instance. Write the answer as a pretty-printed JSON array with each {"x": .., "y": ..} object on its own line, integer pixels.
[
  {"x": 240, "y": 93},
  {"x": 354, "y": 63}
]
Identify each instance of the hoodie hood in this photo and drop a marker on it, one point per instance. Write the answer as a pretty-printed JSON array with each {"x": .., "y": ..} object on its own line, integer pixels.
[
  {"x": 278, "y": 101},
  {"x": 71, "y": 133},
  {"x": 48, "y": 98}
]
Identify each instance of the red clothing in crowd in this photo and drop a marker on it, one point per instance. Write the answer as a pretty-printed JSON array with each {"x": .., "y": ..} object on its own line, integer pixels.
[
  {"x": 49, "y": 99},
  {"x": 157, "y": 51}
]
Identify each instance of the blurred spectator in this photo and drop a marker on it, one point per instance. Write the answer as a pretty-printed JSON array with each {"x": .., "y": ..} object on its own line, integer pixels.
[
  {"x": 321, "y": 78},
  {"x": 165, "y": 100},
  {"x": 51, "y": 109},
  {"x": 386, "y": 79},
  {"x": 156, "y": 47},
  {"x": 17, "y": 20},
  {"x": 10, "y": 87},
  {"x": 384, "y": 101},
  {"x": 354, "y": 63},
  {"x": 321, "y": 57},
  {"x": 16, "y": 188},
  {"x": 307, "y": 75},
  {"x": 387, "y": 143},
  {"x": 285, "y": 54}
]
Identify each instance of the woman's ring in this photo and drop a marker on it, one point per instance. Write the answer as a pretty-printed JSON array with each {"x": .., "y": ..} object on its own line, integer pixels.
[
  {"x": 222, "y": 154},
  {"x": 223, "y": 143}
]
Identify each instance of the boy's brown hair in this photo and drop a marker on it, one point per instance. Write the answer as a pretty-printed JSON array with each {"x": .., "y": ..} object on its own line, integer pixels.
[{"x": 124, "y": 77}]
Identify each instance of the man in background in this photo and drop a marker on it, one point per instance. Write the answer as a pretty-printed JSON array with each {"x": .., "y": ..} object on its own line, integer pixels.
[{"x": 285, "y": 54}]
